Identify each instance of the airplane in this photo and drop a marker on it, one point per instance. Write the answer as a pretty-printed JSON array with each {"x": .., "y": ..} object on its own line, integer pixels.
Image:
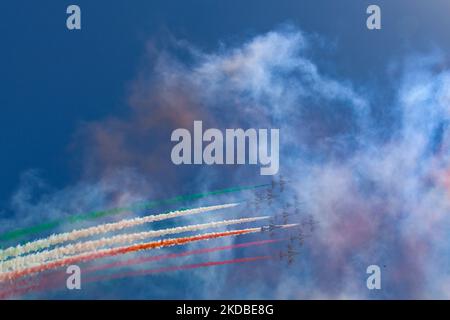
[
  {"x": 269, "y": 196},
  {"x": 300, "y": 237},
  {"x": 260, "y": 197},
  {"x": 285, "y": 214},
  {"x": 258, "y": 200},
  {"x": 311, "y": 222},
  {"x": 271, "y": 227},
  {"x": 281, "y": 183},
  {"x": 290, "y": 253},
  {"x": 296, "y": 204},
  {"x": 273, "y": 183}
]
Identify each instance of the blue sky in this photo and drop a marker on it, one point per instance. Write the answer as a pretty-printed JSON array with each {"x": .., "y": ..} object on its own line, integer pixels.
[{"x": 68, "y": 97}]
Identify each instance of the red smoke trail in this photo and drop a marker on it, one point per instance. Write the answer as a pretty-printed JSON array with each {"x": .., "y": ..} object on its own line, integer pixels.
[
  {"x": 120, "y": 250},
  {"x": 19, "y": 291},
  {"x": 28, "y": 284},
  {"x": 44, "y": 284},
  {"x": 177, "y": 255},
  {"x": 178, "y": 268}
]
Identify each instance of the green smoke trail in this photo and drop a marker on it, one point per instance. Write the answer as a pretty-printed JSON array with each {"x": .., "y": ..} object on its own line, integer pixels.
[{"x": 18, "y": 233}]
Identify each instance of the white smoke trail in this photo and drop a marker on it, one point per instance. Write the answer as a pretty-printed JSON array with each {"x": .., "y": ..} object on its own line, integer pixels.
[
  {"x": 31, "y": 260},
  {"x": 104, "y": 228}
]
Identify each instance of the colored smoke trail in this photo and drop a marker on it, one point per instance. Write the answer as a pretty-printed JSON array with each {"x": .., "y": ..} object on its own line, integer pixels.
[
  {"x": 178, "y": 255},
  {"x": 45, "y": 285},
  {"x": 103, "y": 228},
  {"x": 29, "y": 261},
  {"x": 178, "y": 268},
  {"x": 18, "y": 233},
  {"x": 10, "y": 276},
  {"x": 19, "y": 291},
  {"x": 28, "y": 285}
]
